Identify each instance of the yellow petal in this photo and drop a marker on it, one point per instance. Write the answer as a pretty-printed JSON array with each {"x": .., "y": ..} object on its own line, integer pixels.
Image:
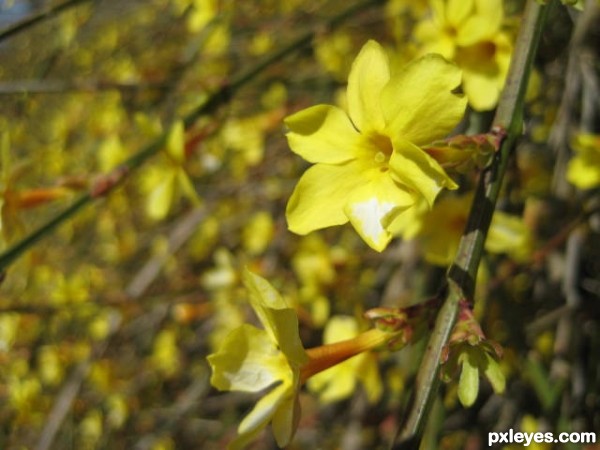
[
  {"x": 261, "y": 415},
  {"x": 457, "y": 11},
  {"x": 492, "y": 11},
  {"x": 582, "y": 175},
  {"x": 482, "y": 90},
  {"x": 279, "y": 320},
  {"x": 322, "y": 133},
  {"x": 285, "y": 420},
  {"x": 368, "y": 374},
  {"x": 175, "y": 146},
  {"x": 584, "y": 168},
  {"x": 415, "y": 169},
  {"x": 320, "y": 195},
  {"x": 335, "y": 383},
  {"x": 484, "y": 24},
  {"x": 248, "y": 361},
  {"x": 187, "y": 187},
  {"x": 509, "y": 234},
  {"x": 368, "y": 75},
  {"x": 434, "y": 39},
  {"x": 370, "y": 203},
  {"x": 160, "y": 199},
  {"x": 409, "y": 222},
  {"x": 418, "y": 103},
  {"x": 439, "y": 11}
]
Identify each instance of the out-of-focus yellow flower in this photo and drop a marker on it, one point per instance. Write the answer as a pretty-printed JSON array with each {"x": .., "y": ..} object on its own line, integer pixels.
[
  {"x": 246, "y": 137},
  {"x": 314, "y": 267},
  {"x": 165, "y": 184},
  {"x": 339, "y": 382},
  {"x": 261, "y": 43},
  {"x": 396, "y": 7},
  {"x": 258, "y": 232},
  {"x": 584, "y": 169},
  {"x": 531, "y": 425},
  {"x": 469, "y": 32},
  {"x": 332, "y": 53},
  {"x": 441, "y": 229},
  {"x": 117, "y": 410},
  {"x": 165, "y": 355},
  {"x": 201, "y": 13},
  {"x": 369, "y": 167},
  {"x": 509, "y": 234},
  {"x": 50, "y": 367},
  {"x": 110, "y": 153},
  {"x": 400, "y": 16}
]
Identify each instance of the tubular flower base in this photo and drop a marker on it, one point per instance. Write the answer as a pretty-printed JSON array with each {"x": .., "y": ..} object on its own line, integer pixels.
[
  {"x": 369, "y": 167},
  {"x": 340, "y": 382},
  {"x": 253, "y": 359}
]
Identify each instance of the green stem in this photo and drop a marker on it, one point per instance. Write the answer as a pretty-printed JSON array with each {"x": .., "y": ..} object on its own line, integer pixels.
[
  {"x": 213, "y": 102},
  {"x": 463, "y": 272}
]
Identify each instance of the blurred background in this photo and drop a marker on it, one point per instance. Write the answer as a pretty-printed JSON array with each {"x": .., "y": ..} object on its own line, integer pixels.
[{"x": 105, "y": 323}]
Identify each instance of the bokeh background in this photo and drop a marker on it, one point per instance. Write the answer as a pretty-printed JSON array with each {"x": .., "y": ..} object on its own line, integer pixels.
[{"x": 105, "y": 323}]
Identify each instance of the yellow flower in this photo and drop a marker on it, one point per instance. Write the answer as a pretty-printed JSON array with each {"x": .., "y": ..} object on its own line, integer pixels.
[
  {"x": 251, "y": 359},
  {"x": 440, "y": 230},
  {"x": 339, "y": 382},
  {"x": 469, "y": 33},
  {"x": 584, "y": 169},
  {"x": 165, "y": 184},
  {"x": 369, "y": 166}
]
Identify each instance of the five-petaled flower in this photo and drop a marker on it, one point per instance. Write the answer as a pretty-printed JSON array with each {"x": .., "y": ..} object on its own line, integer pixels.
[
  {"x": 252, "y": 360},
  {"x": 369, "y": 165}
]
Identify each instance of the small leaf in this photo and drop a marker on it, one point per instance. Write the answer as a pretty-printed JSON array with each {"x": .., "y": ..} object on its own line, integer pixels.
[
  {"x": 468, "y": 385},
  {"x": 494, "y": 374},
  {"x": 187, "y": 188}
]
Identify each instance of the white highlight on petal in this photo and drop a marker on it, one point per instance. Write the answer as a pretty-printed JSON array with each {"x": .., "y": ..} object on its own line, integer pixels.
[{"x": 366, "y": 217}]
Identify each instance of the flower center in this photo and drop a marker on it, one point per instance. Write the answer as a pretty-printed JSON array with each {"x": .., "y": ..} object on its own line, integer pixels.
[
  {"x": 382, "y": 150},
  {"x": 480, "y": 57}
]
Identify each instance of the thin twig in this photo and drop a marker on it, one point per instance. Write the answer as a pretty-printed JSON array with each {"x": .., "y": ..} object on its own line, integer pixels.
[
  {"x": 62, "y": 87},
  {"x": 182, "y": 232},
  {"x": 37, "y": 17}
]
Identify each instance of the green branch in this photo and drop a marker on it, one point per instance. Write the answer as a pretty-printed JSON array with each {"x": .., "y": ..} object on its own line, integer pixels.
[
  {"x": 37, "y": 17},
  {"x": 463, "y": 272},
  {"x": 110, "y": 181}
]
